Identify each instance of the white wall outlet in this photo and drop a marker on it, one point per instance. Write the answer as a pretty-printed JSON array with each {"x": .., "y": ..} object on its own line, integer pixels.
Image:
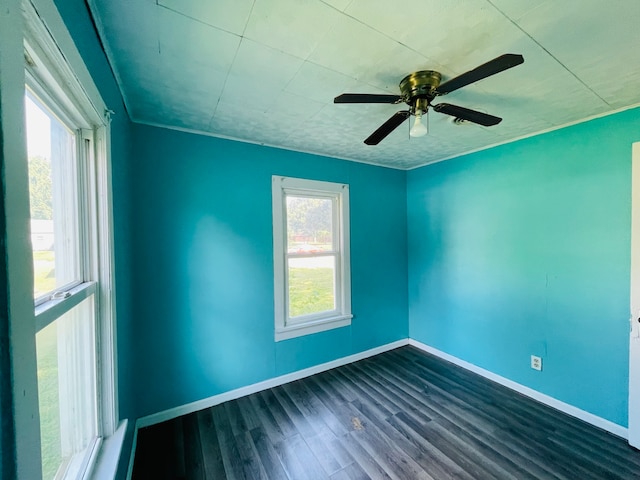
[{"x": 536, "y": 363}]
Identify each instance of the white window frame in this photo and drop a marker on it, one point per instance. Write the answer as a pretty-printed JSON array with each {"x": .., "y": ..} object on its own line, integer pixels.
[
  {"x": 285, "y": 326},
  {"x": 70, "y": 91}
]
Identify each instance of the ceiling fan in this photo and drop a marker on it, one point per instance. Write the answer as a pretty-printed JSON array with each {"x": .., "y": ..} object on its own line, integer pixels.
[{"x": 418, "y": 89}]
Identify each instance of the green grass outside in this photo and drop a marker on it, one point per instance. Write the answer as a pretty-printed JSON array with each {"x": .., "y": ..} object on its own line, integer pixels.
[
  {"x": 311, "y": 290},
  {"x": 44, "y": 278},
  {"x": 48, "y": 396}
]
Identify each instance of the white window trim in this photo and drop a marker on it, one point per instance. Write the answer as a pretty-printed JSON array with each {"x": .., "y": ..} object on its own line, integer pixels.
[
  {"x": 26, "y": 440},
  {"x": 315, "y": 323},
  {"x": 83, "y": 106}
]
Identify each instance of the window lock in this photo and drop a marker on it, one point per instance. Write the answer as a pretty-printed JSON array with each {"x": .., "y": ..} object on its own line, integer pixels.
[{"x": 60, "y": 295}]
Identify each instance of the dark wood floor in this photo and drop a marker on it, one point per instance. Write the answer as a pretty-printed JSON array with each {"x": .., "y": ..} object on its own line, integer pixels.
[{"x": 401, "y": 415}]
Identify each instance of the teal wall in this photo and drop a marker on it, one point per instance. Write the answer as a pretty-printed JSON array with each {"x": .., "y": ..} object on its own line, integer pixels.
[
  {"x": 203, "y": 265},
  {"x": 525, "y": 249}
]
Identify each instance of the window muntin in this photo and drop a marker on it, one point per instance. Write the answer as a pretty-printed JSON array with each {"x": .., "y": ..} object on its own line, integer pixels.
[{"x": 311, "y": 255}]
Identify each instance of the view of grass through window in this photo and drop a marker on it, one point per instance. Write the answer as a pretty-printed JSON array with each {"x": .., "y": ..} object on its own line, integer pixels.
[
  {"x": 44, "y": 272},
  {"x": 310, "y": 291},
  {"x": 311, "y": 255},
  {"x": 48, "y": 397}
]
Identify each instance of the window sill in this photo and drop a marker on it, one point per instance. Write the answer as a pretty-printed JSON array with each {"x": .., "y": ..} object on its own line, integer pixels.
[
  {"x": 106, "y": 465},
  {"x": 307, "y": 328}
]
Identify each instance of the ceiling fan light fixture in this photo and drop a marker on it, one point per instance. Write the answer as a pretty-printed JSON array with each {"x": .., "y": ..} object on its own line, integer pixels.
[
  {"x": 419, "y": 89},
  {"x": 419, "y": 129}
]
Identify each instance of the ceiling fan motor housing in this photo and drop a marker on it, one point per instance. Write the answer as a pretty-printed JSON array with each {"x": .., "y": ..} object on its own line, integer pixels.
[{"x": 419, "y": 88}]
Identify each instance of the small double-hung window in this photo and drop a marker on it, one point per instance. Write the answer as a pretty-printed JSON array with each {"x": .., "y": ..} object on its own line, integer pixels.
[{"x": 311, "y": 256}]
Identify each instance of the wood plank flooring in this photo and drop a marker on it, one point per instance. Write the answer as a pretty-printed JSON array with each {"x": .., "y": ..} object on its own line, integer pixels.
[{"x": 400, "y": 415}]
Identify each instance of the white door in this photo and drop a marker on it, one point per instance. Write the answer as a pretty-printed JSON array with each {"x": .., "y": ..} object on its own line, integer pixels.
[{"x": 634, "y": 342}]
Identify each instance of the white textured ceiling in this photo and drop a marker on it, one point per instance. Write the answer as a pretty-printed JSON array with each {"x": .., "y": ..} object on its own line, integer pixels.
[{"x": 266, "y": 71}]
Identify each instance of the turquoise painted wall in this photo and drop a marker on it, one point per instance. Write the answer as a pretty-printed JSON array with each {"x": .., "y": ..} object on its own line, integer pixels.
[
  {"x": 525, "y": 249},
  {"x": 203, "y": 265}
]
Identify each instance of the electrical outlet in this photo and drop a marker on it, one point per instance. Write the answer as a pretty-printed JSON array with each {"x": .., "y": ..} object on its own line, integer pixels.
[{"x": 536, "y": 363}]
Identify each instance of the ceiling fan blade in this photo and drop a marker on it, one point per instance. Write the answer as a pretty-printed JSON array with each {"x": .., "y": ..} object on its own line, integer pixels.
[
  {"x": 387, "y": 127},
  {"x": 497, "y": 65},
  {"x": 467, "y": 114},
  {"x": 366, "y": 98}
]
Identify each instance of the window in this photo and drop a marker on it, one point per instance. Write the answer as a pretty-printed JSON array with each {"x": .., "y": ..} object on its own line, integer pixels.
[
  {"x": 65, "y": 339},
  {"x": 311, "y": 256},
  {"x": 67, "y": 145}
]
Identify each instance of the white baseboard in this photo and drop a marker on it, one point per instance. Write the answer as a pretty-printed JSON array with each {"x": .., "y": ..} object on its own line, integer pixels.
[
  {"x": 249, "y": 389},
  {"x": 529, "y": 392},
  {"x": 290, "y": 377},
  {"x": 258, "y": 387}
]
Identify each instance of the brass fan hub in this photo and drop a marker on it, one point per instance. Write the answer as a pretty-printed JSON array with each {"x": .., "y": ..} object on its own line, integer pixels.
[
  {"x": 419, "y": 88},
  {"x": 420, "y": 84}
]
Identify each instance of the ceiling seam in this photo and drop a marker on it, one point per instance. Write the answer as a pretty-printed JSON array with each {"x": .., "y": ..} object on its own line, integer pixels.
[
  {"x": 235, "y": 55},
  {"x": 374, "y": 29},
  {"x": 246, "y": 24},
  {"x": 215, "y": 108},
  {"x": 198, "y": 20},
  {"x": 306, "y": 60},
  {"x": 224, "y": 85},
  {"x": 336, "y": 8},
  {"x": 515, "y": 24},
  {"x": 344, "y": 13}
]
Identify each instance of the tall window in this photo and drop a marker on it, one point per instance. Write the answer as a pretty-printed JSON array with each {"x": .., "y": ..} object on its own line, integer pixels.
[
  {"x": 63, "y": 289},
  {"x": 311, "y": 256},
  {"x": 69, "y": 195}
]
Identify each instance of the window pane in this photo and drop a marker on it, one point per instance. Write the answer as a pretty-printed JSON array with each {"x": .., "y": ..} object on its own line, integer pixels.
[
  {"x": 53, "y": 199},
  {"x": 66, "y": 387},
  {"x": 311, "y": 285},
  {"x": 309, "y": 224}
]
